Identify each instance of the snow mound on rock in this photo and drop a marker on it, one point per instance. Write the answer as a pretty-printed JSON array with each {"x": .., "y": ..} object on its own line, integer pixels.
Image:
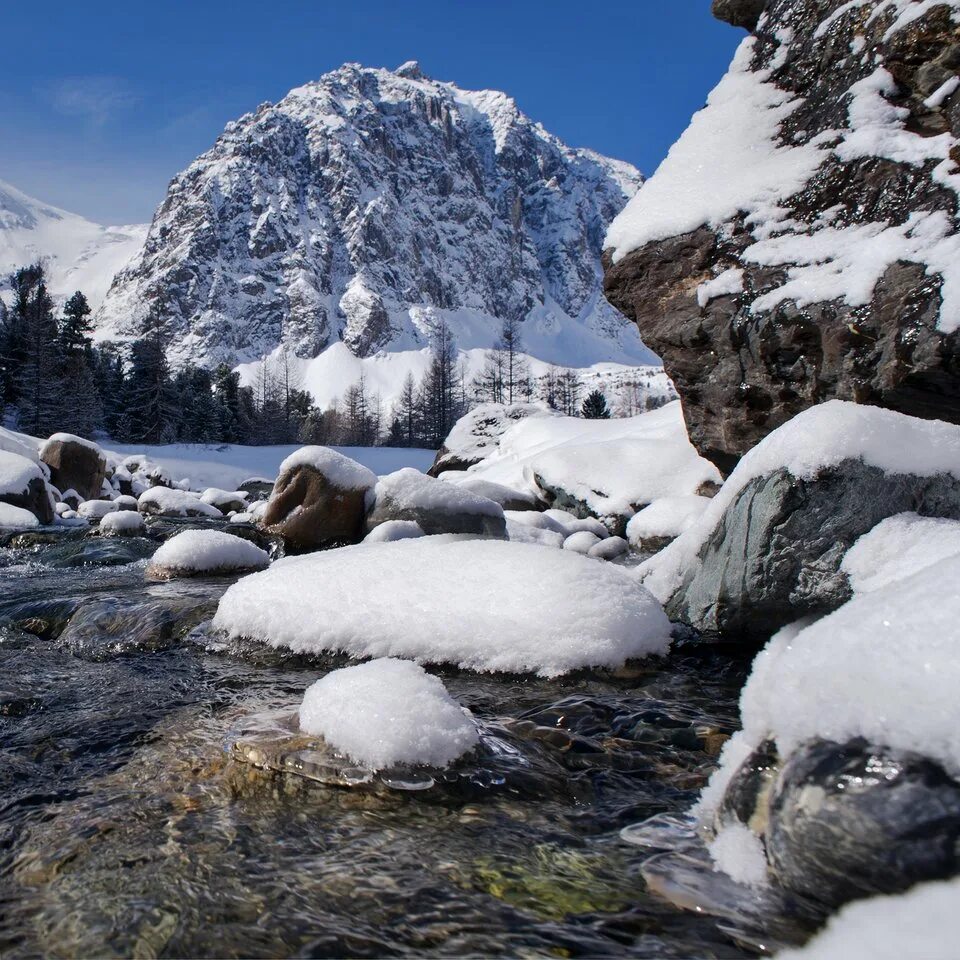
[
  {"x": 822, "y": 436},
  {"x": 923, "y": 922},
  {"x": 340, "y": 471},
  {"x": 201, "y": 551},
  {"x": 898, "y": 547},
  {"x": 393, "y": 530},
  {"x": 486, "y": 605},
  {"x": 409, "y": 489},
  {"x": 174, "y": 503},
  {"x": 667, "y": 517},
  {"x": 16, "y": 518},
  {"x": 16, "y": 472},
  {"x": 388, "y": 713},
  {"x": 120, "y": 522},
  {"x": 97, "y": 509}
]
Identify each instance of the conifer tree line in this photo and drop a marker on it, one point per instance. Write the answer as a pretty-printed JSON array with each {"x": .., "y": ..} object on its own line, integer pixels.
[{"x": 54, "y": 378}]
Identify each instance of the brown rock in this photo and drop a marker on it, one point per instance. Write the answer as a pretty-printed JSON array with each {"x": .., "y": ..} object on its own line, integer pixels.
[
  {"x": 309, "y": 512},
  {"x": 75, "y": 464},
  {"x": 739, "y": 13}
]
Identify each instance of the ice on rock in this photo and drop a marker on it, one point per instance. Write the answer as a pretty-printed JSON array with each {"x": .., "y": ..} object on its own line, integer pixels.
[
  {"x": 666, "y": 518},
  {"x": 898, "y": 547},
  {"x": 581, "y": 542},
  {"x": 486, "y": 605},
  {"x": 16, "y": 518},
  {"x": 208, "y": 551},
  {"x": 394, "y": 530},
  {"x": 388, "y": 713},
  {"x": 342, "y": 472},
  {"x": 923, "y": 923},
  {"x": 121, "y": 522},
  {"x": 822, "y": 436},
  {"x": 96, "y": 509}
]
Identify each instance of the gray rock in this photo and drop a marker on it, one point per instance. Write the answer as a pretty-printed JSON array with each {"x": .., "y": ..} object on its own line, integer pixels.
[
  {"x": 775, "y": 555},
  {"x": 75, "y": 465},
  {"x": 739, "y": 13},
  {"x": 35, "y": 499}
]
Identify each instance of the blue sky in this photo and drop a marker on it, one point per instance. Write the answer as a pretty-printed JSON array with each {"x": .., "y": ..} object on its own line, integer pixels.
[{"x": 104, "y": 102}]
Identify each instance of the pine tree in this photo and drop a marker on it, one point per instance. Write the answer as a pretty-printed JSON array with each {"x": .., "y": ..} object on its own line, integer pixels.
[
  {"x": 38, "y": 375},
  {"x": 595, "y": 407},
  {"x": 76, "y": 325},
  {"x": 437, "y": 399},
  {"x": 226, "y": 386},
  {"x": 155, "y": 410},
  {"x": 406, "y": 413}
]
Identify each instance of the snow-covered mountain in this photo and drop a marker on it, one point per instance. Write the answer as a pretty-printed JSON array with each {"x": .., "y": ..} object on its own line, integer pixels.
[
  {"x": 78, "y": 254},
  {"x": 366, "y": 206}
]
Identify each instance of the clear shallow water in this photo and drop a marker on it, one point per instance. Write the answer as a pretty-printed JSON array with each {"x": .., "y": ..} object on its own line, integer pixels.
[{"x": 132, "y": 823}]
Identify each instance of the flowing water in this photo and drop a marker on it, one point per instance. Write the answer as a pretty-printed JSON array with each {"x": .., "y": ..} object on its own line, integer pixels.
[{"x": 156, "y": 801}]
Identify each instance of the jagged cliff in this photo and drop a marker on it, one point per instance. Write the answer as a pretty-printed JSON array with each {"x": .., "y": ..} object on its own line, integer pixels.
[{"x": 800, "y": 240}]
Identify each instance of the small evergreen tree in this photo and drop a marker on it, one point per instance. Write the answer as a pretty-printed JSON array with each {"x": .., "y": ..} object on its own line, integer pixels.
[
  {"x": 595, "y": 407},
  {"x": 76, "y": 325}
]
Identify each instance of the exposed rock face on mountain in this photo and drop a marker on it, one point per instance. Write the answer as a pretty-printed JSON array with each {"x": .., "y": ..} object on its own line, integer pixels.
[
  {"x": 370, "y": 204},
  {"x": 800, "y": 241},
  {"x": 78, "y": 254}
]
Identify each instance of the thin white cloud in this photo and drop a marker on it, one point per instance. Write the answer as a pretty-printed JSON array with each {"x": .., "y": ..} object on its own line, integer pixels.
[{"x": 95, "y": 99}]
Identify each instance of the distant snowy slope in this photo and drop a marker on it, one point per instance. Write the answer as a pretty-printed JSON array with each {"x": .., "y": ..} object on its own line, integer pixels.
[
  {"x": 369, "y": 205},
  {"x": 78, "y": 254}
]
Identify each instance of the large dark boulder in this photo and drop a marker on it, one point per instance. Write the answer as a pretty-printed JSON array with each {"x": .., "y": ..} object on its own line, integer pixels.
[
  {"x": 744, "y": 366},
  {"x": 34, "y": 498},
  {"x": 75, "y": 464},
  {"x": 775, "y": 555},
  {"x": 311, "y": 507}
]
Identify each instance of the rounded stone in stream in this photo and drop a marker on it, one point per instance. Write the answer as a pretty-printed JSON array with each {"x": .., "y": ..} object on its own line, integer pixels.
[{"x": 848, "y": 821}]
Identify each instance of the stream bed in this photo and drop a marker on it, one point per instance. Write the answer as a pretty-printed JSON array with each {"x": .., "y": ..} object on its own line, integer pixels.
[{"x": 143, "y": 812}]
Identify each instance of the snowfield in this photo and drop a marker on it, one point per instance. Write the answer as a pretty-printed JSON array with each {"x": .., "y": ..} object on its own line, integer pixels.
[
  {"x": 485, "y": 605},
  {"x": 388, "y": 713}
]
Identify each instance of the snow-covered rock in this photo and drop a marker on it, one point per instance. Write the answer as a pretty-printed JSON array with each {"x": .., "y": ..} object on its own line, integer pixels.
[
  {"x": 391, "y": 530},
  {"x": 167, "y": 502},
  {"x": 195, "y": 553},
  {"x": 527, "y": 533},
  {"x": 437, "y": 506},
  {"x": 581, "y": 542},
  {"x": 388, "y": 713},
  {"x": 507, "y": 498},
  {"x": 23, "y": 485},
  {"x": 664, "y": 520},
  {"x": 77, "y": 254},
  {"x": 486, "y": 605},
  {"x": 16, "y": 518},
  {"x": 923, "y": 922},
  {"x": 75, "y": 464},
  {"x": 768, "y": 548},
  {"x": 607, "y": 469},
  {"x": 226, "y": 501},
  {"x": 319, "y": 498},
  {"x": 608, "y": 549},
  {"x": 815, "y": 255},
  {"x": 121, "y": 523},
  {"x": 368, "y": 205},
  {"x": 96, "y": 509},
  {"x": 476, "y": 435}
]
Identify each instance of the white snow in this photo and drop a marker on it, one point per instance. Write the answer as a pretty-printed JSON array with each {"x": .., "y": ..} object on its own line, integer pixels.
[
  {"x": 96, "y": 509},
  {"x": 340, "y": 471},
  {"x": 525, "y": 533},
  {"x": 394, "y": 530},
  {"x": 726, "y": 283},
  {"x": 609, "y": 549},
  {"x": 581, "y": 542},
  {"x": 820, "y": 437},
  {"x": 121, "y": 522},
  {"x": 496, "y": 492},
  {"x": 613, "y": 466},
  {"x": 728, "y": 160},
  {"x": 667, "y": 517},
  {"x": 923, "y": 923},
  {"x": 409, "y": 489},
  {"x": 15, "y": 518},
  {"x": 897, "y": 548},
  {"x": 487, "y": 605},
  {"x": 738, "y": 852},
  {"x": 68, "y": 438},
  {"x": 945, "y": 89},
  {"x": 571, "y": 524},
  {"x": 202, "y": 551},
  {"x": 16, "y": 472},
  {"x": 78, "y": 254},
  {"x": 176, "y": 503},
  {"x": 388, "y": 713}
]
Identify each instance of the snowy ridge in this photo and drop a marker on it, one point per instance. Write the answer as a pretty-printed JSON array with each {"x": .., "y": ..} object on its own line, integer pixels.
[
  {"x": 367, "y": 207},
  {"x": 78, "y": 254}
]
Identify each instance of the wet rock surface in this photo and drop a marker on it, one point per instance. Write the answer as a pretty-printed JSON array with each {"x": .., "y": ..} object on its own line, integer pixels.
[{"x": 775, "y": 555}]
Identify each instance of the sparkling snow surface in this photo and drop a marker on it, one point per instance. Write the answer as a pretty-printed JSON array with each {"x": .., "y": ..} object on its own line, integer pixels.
[
  {"x": 487, "y": 605},
  {"x": 121, "y": 521},
  {"x": 819, "y": 437},
  {"x": 388, "y": 713},
  {"x": 208, "y": 550},
  {"x": 97, "y": 509},
  {"x": 923, "y": 923},
  {"x": 667, "y": 517},
  {"x": 738, "y": 852},
  {"x": 14, "y": 518},
  {"x": 394, "y": 530},
  {"x": 175, "y": 503}
]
